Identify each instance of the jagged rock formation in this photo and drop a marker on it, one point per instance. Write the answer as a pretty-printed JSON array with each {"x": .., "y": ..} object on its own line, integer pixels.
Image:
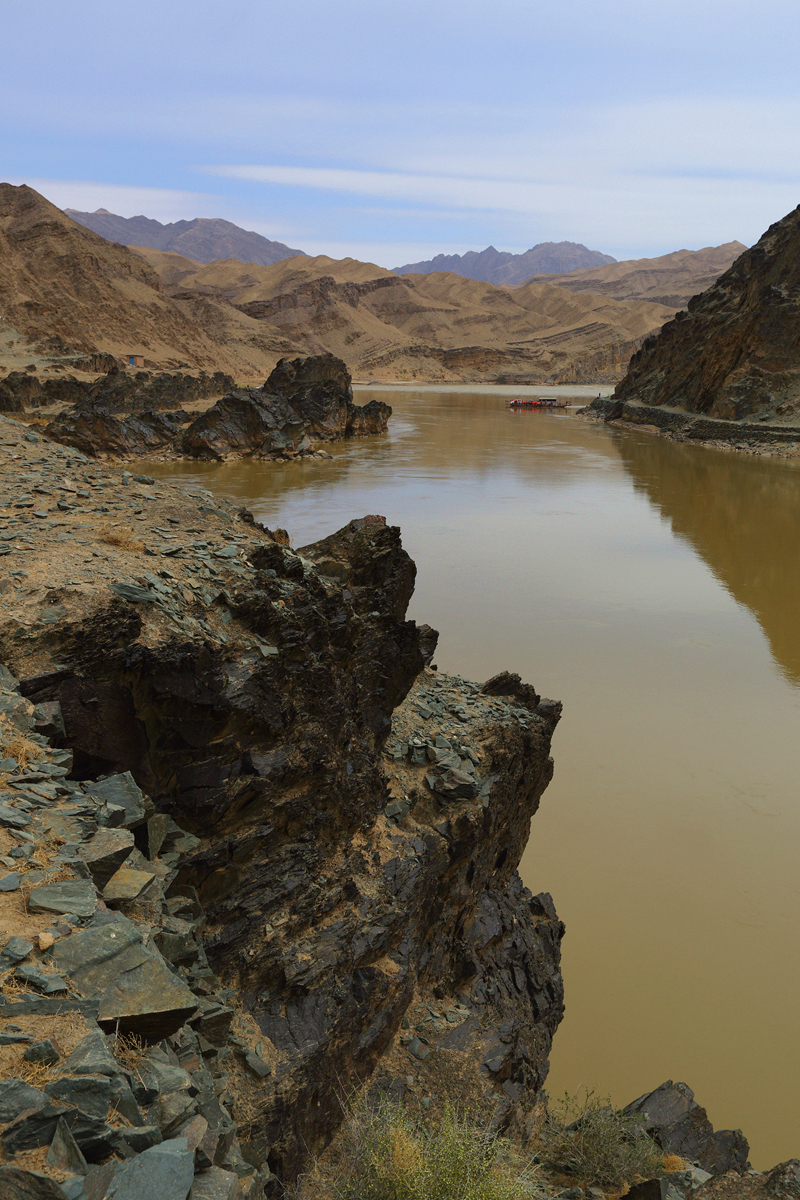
[
  {"x": 360, "y": 818},
  {"x": 302, "y": 399},
  {"x": 502, "y": 267},
  {"x": 202, "y": 239},
  {"x": 734, "y": 353}
]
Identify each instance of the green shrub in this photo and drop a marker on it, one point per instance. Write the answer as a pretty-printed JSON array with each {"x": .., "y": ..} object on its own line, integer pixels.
[
  {"x": 390, "y": 1156},
  {"x": 589, "y": 1138}
]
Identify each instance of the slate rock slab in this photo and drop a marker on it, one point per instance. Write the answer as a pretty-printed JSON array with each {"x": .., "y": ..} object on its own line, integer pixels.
[
  {"x": 17, "y": 1097},
  {"x": 147, "y": 1000},
  {"x": 105, "y": 853},
  {"x": 216, "y": 1184},
  {"x": 90, "y": 1093},
  {"x": 27, "y": 1185},
  {"x": 122, "y": 791},
  {"x": 164, "y": 1172},
  {"x": 15, "y": 949},
  {"x": 93, "y": 958},
  {"x": 30, "y": 1130},
  {"x": 126, "y": 884},
  {"x": 10, "y": 883},
  {"x": 65, "y": 1153},
  {"x": 42, "y": 1052},
  {"x": 681, "y": 1126},
  {"x": 142, "y": 1138},
  {"x": 12, "y": 818},
  {"x": 76, "y": 896},
  {"x": 134, "y": 593}
]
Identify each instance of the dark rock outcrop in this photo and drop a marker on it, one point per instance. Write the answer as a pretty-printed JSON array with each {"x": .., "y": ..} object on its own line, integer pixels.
[
  {"x": 352, "y": 865},
  {"x": 115, "y": 390},
  {"x": 734, "y": 353},
  {"x": 302, "y": 399},
  {"x": 94, "y": 429},
  {"x": 681, "y": 1126}
]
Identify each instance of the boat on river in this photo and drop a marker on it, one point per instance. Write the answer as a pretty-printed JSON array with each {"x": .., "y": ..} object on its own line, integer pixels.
[{"x": 537, "y": 402}]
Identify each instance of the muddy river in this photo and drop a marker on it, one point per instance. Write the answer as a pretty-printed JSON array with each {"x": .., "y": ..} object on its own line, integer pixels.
[{"x": 654, "y": 588}]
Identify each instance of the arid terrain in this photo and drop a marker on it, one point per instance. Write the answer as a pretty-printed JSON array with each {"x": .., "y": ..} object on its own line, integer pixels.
[
  {"x": 671, "y": 279},
  {"x": 69, "y": 294}
]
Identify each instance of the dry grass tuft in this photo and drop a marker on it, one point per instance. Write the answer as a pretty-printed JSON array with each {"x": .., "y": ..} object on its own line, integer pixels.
[
  {"x": 36, "y": 1074},
  {"x": 123, "y": 538},
  {"x": 673, "y": 1162},
  {"x": 21, "y": 748},
  {"x": 129, "y": 1051},
  {"x": 11, "y": 986}
]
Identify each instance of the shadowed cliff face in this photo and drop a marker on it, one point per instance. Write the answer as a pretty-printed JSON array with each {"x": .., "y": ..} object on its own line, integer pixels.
[
  {"x": 344, "y": 886},
  {"x": 735, "y": 351},
  {"x": 741, "y": 515}
]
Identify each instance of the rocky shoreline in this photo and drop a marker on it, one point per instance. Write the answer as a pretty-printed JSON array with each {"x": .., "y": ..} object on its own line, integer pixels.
[
  {"x": 256, "y": 851},
  {"x": 748, "y": 437},
  {"x": 304, "y": 401}
]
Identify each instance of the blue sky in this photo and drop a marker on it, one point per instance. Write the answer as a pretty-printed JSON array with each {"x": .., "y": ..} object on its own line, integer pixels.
[{"x": 391, "y": 131}]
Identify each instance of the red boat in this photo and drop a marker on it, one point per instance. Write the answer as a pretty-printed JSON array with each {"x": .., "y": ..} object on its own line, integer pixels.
[{"x": 535, "y": 402}]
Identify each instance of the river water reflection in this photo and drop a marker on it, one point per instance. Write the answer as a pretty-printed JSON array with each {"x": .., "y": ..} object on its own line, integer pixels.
[{"x": 654, "y": 588}]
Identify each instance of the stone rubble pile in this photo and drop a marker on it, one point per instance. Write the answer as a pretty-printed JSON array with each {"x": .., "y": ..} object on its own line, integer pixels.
[{"x": 139, "y": 1108}]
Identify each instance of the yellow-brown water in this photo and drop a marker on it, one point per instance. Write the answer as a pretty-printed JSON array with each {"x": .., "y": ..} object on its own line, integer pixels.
[{"x": 654, "y": 588}]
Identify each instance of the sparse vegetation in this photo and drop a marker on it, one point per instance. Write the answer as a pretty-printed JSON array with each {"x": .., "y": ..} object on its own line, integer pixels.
[
  {"x": 130, "y": 1051},
  {"x": 390, "y": 1156},
  {"x": 15, "y": 745},
  {"x": 597, "y": 1143},
  {"x": 124, "y": 539}
]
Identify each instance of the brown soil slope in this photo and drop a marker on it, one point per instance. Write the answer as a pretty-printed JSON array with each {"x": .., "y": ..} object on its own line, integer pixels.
[
  {"x": 66, "y": 290},
  {"x": 438, "y": 326},
  {"x": 735, "y": 352},
  {"x": 671, "y": 279}
]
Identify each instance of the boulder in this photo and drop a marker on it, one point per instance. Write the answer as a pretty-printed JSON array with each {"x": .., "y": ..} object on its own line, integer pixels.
[
  {"x": 123, "y": 791},
  {"x": 164, "y": 1172},
  {"x": 680, "y": 1126},
  {"x": 147, "y": 1000},
  {"x": 105, "y": 853},
  {"x": 77, "y": 896}
]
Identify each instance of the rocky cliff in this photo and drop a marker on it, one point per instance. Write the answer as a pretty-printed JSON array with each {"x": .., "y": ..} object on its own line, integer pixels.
[
  {"x": 733, "y": 353},
  {"x": 358, "y": 817}
]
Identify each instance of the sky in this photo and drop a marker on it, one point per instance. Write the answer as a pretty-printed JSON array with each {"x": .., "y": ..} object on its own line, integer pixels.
[{"x": 392, "y": 131}]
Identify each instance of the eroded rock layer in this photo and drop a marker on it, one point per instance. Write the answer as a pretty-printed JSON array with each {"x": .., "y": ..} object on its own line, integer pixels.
[{"x": 360, "y": 817}]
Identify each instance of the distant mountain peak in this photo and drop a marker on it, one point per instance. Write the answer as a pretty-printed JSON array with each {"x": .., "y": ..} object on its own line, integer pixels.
[
  {"x": 502, "y": 267},
  {"x": 202, "y": 239}
]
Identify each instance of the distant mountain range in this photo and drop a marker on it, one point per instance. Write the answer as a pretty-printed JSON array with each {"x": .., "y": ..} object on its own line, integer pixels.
[
  {"x": 501, "y": 267},
  {"x": 204, "y": 239}
]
